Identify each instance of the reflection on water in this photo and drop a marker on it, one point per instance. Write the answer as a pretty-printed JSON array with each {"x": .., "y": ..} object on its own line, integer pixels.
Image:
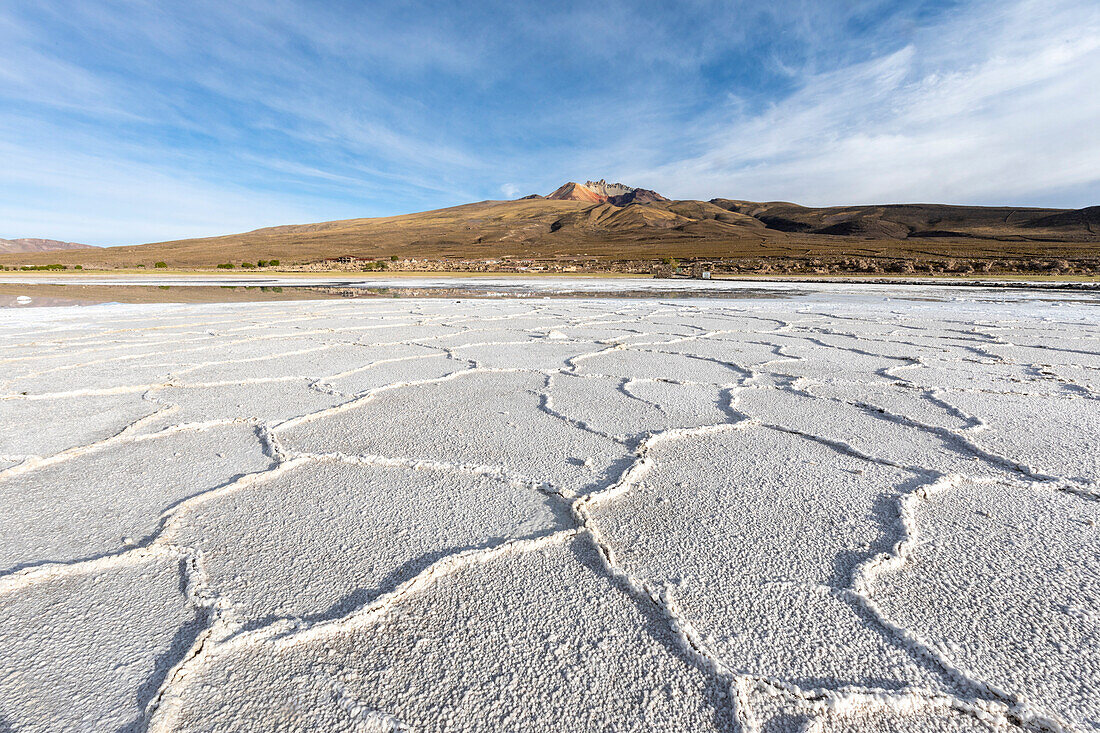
[
  {"x": 42, "y": 295},
  {"x": 24, "y": 301},
  {"x": 520, "y": 292},
  {"x": 21, "y": 293}
]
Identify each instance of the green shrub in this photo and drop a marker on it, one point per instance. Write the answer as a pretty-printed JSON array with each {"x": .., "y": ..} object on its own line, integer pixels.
[
  {"x": 160, "y": 264},
  {"x": 273, "y": 263},
  {"x": 247, "y": 265},
  {"x": 393, "y": 258},
  {"x": 261, "y": 263},
  {"x": 79, "y": 267},
  {"x": 226, "y": 266}
]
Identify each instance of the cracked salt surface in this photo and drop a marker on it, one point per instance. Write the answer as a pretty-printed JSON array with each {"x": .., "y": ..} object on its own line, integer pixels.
[
  {"x": 114, "y": 493},
  {"x": 779, "y": 596},
  {"x": 534, "y": 638},
  {"x": 1027, "y": 561},
  {"x": 489, "y": 418},
  {"x": 852, "y": 511},
  {"x": 87, "y": 419},
  {"x": 88, "y": 650},
  {"x": 628, "y": 408},
  {"x": 358, "y": 533}
]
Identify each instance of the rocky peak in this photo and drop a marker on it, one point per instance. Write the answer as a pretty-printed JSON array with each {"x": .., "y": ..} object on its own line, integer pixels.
[
  {"x": 573, "y": 191},
  {"x": 601, "y": 191},
  {"x": 604, "y": 188}
]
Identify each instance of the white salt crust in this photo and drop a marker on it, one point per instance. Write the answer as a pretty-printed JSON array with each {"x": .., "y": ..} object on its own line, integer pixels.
[{"x": 855, "y": 509}]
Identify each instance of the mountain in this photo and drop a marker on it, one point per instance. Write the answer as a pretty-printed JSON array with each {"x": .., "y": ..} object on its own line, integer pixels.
[
  {"x": 593, "y": 225},
  {"x": 38, "y": 245},
  {"x": 576, "y": 192},
  {"x": 601, "y": 191}
]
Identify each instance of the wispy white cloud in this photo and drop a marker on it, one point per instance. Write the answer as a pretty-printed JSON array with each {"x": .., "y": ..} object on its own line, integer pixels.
[
  {"x": 70, "y": 195},
  {"x": 998, "y": 104}
]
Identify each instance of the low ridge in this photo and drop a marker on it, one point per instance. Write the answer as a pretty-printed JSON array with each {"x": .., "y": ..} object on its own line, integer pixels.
[{"x": 15, "y": 246}]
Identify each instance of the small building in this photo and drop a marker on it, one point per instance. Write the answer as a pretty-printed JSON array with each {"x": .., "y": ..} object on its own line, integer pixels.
[{"x": 701, "y": 270}]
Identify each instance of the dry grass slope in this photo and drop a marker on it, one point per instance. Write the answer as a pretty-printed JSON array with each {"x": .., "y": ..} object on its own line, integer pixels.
[{"x": 769, "y": 234}]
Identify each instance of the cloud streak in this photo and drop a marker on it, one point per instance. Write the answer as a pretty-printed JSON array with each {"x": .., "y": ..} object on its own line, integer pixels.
[{"x": 1010, "y": 121}]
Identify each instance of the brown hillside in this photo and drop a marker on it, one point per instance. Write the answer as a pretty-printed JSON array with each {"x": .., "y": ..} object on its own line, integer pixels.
[
  {"x": 904, "y": 221},
  {"x": 594, "y": 231},
  {"x": 636, "y": 196}
]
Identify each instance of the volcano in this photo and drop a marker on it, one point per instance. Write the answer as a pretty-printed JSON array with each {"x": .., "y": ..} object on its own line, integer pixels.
[{"x": 618, "y": 194}]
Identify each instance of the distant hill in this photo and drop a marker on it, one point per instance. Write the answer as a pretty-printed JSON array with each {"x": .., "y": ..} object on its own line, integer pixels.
[
  {"x": 600, "y": 222},
  {"x": 38, "y": 245},
  {"x": 923, "y": 221}
]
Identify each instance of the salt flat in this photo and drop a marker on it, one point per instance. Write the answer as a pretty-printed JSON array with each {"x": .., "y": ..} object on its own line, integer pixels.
[{"x": 850, "y": 509}]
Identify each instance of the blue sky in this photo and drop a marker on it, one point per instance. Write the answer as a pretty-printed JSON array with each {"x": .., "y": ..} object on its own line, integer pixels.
[{"x": 126, "y": 121}]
